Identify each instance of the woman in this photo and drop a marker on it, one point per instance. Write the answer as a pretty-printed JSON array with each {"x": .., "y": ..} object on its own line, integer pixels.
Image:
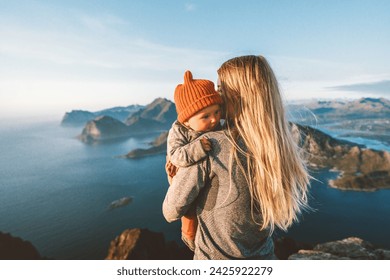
[{"x": 254, "y": 178}]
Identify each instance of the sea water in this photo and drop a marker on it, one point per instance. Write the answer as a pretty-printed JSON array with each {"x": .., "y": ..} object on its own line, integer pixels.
[
  {"x": 55, "y": 192},
  {"x": 338, "y": 214}
]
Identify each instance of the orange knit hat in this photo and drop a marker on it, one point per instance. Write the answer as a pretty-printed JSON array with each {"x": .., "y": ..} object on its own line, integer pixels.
[{"x": 193, "y": 96}]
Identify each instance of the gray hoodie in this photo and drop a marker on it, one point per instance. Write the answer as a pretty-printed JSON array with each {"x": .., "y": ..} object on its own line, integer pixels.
[
  {"x": 226, "y": 229},
  {"x": 183, "y": 145}
]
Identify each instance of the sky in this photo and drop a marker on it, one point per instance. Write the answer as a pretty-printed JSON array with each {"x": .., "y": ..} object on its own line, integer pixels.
[{"x": 58, "y": 56}]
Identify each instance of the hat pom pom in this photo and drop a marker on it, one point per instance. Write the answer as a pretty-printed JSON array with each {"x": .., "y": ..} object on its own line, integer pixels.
[{"x": 187, "y": 77}]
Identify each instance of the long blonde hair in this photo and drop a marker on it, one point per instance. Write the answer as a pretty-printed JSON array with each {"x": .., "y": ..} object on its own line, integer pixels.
[{"x": 274, "y": 169}]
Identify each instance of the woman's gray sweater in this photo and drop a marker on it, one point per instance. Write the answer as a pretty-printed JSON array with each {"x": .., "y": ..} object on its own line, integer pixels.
[{"x": 226, "y": 229}]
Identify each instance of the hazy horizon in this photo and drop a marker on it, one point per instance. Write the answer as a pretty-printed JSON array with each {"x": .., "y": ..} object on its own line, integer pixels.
[{"x": 50, "y": 116}]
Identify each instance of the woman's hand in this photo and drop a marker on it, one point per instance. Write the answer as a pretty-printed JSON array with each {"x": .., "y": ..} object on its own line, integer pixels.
[{"x": 206, "y": 144}]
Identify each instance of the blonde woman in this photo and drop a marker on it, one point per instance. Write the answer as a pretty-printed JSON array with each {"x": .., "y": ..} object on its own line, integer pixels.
[{"x": 254, "y": 179}]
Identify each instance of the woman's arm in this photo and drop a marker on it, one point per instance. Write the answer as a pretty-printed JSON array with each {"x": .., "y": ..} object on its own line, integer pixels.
[{"x": 184, "y": 189}]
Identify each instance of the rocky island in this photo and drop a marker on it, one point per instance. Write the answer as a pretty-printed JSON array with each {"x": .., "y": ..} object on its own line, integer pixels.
[{"x": 158, "y": 146}]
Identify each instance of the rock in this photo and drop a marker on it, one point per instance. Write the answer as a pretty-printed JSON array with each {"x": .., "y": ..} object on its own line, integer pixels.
[
  {"x": 14, "y": 248},
  {"x": 383, "y": 254},
  {"x": 350, "y": 248},
  {"x": 120, "y": 202},
  {"x": 143, "y": 244},
  {"x": 314, "y": 255}
]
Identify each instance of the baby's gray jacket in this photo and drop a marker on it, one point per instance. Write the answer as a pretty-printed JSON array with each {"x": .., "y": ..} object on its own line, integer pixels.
[{"x": 183, "y": 145}]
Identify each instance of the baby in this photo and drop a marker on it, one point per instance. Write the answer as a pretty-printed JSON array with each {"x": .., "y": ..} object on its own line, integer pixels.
[{"x": 198, "y": 107}]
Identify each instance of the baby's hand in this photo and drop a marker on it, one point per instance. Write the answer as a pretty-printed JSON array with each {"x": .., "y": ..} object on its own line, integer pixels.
[{"x": 206, "y": 144}]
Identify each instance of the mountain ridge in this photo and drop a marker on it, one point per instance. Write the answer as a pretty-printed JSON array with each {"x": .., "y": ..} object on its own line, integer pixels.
[
  {"x": 81, "y": 117},
  {"x": 325, "y": 111},
  {"x": 156, "y": 116}
]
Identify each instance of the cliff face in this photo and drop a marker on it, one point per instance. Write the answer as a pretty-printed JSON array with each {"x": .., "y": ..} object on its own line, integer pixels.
[
  {"x": 143, "y": 244},
  {"x": 14, "y": 248},
  {"x": 361, "y": 168}
]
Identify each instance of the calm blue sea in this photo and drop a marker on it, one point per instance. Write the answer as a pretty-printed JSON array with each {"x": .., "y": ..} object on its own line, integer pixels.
[
  {"x": 340, "y": 214},
  {"x": 55, "y": 192}
]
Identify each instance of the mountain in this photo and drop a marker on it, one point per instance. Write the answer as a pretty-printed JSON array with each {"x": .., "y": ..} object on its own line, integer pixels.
[
  {"x": 158, "y": 115},
  {"x": 367, "y": 118},
  {"x": 360, "y": 168},
  {"x": 161, "y": 110},
  {"x": 77, "y": 118},
  {"x": 103, "y": 128},
  {"x": 120, "y": 113},
  {"x": 319, "y": 112},
  {"x": 80, "y": 117}
]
